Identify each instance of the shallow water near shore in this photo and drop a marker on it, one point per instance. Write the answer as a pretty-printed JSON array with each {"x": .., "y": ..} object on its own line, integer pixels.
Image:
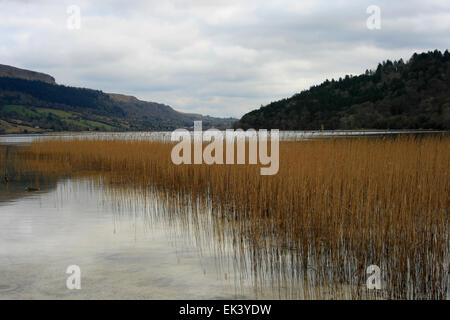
[
  {"x": 124, "y": 250},
  {"x": 120, "y": 256}
]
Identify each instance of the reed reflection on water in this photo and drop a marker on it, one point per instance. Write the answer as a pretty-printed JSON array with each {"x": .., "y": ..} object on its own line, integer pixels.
[
  {"x": 124, "y": 246},
  {"x": 119, "y": 236},
  {"x": 269, "y": 273}
]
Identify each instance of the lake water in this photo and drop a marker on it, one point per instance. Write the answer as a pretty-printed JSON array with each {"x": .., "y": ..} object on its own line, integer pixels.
[
  {"x": 165, "y": 136},
  {"x": 121, "y": 254},
  {"x": 128, "y": 246}
]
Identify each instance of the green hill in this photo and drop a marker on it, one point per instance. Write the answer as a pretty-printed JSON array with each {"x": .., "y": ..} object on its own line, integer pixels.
[
  {"x": 32, "y": 102},
  {"x": 397, "y": 95}
]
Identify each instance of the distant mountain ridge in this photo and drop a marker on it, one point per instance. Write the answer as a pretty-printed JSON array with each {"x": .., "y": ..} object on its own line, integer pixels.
[
  {"x": 13, "y": 72},
  {"x": 33, "y": 102},
  {"x": 397, "y": 95}
]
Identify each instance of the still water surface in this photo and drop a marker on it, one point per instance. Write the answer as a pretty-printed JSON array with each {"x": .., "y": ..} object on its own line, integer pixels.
[
  {"x": 165, "y": 135},
  {"x": 121, "y": 254}
]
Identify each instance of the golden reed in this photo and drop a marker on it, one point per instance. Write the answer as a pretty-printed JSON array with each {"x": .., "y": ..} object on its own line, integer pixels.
[{"x": 336, "y": 205}]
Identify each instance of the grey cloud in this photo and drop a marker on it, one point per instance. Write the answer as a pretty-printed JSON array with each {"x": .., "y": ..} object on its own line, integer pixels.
[{"x": 217, "y": 57}]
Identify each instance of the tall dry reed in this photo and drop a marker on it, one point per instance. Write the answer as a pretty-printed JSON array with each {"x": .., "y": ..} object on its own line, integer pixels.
[{"x": 336, "y": 205}]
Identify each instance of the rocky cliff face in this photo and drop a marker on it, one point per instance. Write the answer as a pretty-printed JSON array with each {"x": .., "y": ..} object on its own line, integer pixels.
[{"x": 13, "y": 72}]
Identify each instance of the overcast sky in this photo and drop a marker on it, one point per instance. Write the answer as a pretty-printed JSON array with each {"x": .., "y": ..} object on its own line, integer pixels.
[{"x": 222, "y": 58}]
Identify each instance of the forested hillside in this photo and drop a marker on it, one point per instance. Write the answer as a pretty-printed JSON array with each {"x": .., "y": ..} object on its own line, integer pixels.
[
  {"x": 396, "y": 95},
  {"x": 30, "y": 102}
]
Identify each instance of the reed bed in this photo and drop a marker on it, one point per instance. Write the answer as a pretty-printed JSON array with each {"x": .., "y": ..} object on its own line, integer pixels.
[{"x": 336, "y": 206}]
